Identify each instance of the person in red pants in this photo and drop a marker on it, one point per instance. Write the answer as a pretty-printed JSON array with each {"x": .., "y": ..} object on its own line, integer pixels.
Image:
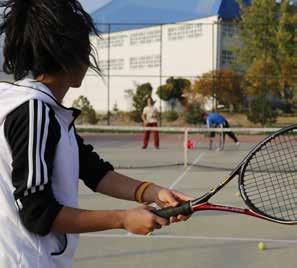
[{"x": 150, "y": 119}]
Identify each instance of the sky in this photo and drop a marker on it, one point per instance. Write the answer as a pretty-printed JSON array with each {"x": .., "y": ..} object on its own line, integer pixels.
[{"x": 92, "y": 5}]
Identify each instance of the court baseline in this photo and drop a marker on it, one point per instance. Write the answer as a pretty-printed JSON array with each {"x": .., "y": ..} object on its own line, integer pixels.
[{"x": 219, "y": 238}]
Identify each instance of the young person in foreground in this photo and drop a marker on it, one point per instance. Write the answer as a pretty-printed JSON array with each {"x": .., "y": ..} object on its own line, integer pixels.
[{"x": 41, "y": 155}]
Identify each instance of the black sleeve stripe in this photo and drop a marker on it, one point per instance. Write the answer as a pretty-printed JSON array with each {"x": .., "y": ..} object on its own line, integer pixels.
[
  {"x": 39, "y": 164},
  {"x": 34, "y": 189},
  {"x": 44, "y": 136},
  {"x": 38, "y": 131},
  {"x": 36, "y": 142}
]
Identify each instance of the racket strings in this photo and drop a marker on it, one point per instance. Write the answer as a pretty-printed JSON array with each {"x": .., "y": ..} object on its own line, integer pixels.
[
  {"x": 266, "y": 177},
  {"x": 270, "y": 180},
  {"x": 283, "y": 154},
  {"x": 262, "y": 162},
  {"x": 288, "y": 178}
]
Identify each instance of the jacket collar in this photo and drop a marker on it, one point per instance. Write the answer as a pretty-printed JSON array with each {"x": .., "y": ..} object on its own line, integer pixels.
[{"x": 31, "y": 89}]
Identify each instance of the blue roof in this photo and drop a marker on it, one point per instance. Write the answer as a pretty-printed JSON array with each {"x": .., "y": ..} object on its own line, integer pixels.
[{"x": 123, "y": 13}]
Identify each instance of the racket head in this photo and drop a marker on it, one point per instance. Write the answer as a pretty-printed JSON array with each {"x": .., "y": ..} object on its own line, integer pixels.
[{"x": 268, "y": 177}]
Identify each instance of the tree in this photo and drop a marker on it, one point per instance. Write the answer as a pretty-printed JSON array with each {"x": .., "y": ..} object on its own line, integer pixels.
[
  {"x": 173, "y": 90},
  {"x": 224, "y": 85},
  {"x": 165, "y": 92},
  {"x": 262, "y": 79},
  {"x": 269, "y": 45},
  {"x": 88, "y": 114},
  {"x": 139, "y": 98},
  {"x": 287, "y": 44},
  {"x": 261, "y": 111},
  {"x": 261, "y": 88},
  {"x": 258, "y": 30}
]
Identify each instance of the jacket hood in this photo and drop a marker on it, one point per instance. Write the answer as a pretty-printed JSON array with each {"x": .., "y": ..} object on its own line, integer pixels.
[{"x": 15, "y": 94}]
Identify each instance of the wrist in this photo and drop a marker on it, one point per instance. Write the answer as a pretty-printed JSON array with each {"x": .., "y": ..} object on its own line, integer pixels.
[
  {"x": 121, "y": 216},
  {"x": 151, "y": 194},
  {"x": 140, "y": 190}
]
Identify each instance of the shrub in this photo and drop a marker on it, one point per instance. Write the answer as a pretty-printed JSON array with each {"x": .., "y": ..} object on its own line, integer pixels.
[
  {"x": 171, "y": 116},
  {"x": 261, "y": 111},
  {"x": 194, "y": 113},
  {"x": 88, "y": 114}
]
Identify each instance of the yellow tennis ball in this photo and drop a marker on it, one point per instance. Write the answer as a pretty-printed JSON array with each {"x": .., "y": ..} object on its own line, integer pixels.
[
  {"x": 261, "y": 246},
  {"x": 237, "y": 194}
]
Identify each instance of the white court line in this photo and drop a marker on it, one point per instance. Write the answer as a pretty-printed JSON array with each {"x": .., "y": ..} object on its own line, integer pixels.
[
  {"x": 178, "y": 180},
  {"x": 180, "y": 237}
]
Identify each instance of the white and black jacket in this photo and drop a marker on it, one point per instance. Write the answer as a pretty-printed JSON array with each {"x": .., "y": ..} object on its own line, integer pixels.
[{"x": 41, "y": 159}]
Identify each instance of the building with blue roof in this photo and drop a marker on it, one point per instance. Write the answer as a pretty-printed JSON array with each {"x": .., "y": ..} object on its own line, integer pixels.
[
  {"x": 133, "y": 12},
  {"x": 150, "y": 41}
]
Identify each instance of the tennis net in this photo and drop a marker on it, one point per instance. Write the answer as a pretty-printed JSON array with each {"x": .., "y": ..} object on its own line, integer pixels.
[{"x": 122, "y": 146}]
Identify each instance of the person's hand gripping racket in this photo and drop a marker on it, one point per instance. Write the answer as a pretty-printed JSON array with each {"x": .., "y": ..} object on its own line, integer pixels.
[
  {"x": 143, "y": 220},
  {"x": 166, "y": 198}
]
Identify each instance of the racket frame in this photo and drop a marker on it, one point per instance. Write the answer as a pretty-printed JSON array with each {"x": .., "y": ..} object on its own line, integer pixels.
[{"x": 201, "y": 203}]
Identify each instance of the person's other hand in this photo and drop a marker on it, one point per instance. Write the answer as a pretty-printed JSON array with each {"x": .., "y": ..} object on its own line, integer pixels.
[{"x": 142, "y": 221}]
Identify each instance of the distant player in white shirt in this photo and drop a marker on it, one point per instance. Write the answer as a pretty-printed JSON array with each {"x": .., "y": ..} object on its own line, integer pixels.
[{"x": 150, "y": 119}]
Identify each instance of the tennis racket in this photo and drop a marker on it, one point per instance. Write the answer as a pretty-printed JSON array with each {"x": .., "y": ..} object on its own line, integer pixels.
[{"x": 267, "y": 181}]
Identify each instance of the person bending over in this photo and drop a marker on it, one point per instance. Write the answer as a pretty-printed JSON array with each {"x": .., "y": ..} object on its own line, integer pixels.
[{"x": 214, "y": 120}]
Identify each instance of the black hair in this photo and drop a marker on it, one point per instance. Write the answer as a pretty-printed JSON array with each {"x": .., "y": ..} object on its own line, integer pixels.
[{"x": 46, "y": 36}]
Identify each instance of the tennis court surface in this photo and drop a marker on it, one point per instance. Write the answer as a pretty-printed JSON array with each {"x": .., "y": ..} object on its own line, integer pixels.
[{"x": 208, "y": 239}]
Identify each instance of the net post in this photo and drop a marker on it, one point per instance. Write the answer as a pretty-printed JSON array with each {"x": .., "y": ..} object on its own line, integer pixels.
[
  {"x": 186, "y": 138},
  {"x": 222, "y": 143}
]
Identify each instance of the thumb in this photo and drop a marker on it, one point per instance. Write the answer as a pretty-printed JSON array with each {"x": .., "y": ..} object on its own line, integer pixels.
[{"x": 171, "y": 200}]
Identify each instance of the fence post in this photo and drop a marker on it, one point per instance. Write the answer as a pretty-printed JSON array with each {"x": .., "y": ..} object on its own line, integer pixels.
[
  {"x": 108, "y": 74},
  {"x": 186, "y": 138},
  {"x": 160, "y": 69}
]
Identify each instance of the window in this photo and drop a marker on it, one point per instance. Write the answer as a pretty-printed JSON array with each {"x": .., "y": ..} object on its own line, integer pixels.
[
  {"x": 115, "y": 64},
  {"x": 229, "y": 30},
  {"x": 184, "y": 31},
  {"x": 146, "y": 37},
  {"x": 115, "y": 41},
  {"x": 228, "y": 57},
  {"x": 152, "y": 61},
  {"x": 102, "y": 43}
]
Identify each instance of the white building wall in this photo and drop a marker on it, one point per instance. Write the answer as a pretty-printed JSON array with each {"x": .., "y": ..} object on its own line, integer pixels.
[{"x": 189, "y": 49}]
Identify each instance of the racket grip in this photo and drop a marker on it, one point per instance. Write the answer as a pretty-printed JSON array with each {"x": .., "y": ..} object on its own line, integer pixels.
[{"x": 184, "y": 209}]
